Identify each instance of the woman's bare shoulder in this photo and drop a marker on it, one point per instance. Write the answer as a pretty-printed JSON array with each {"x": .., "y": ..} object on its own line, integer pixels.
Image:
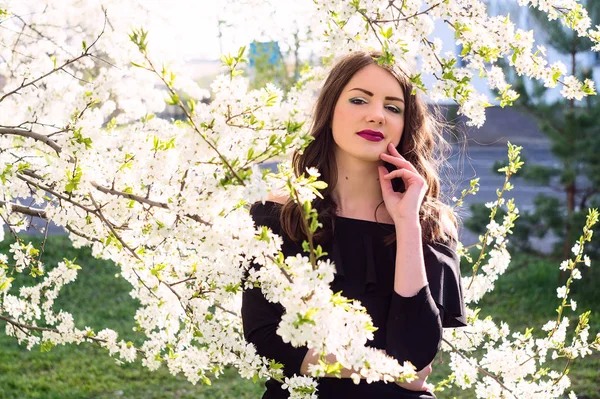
[{"x": 278, "y": 196}]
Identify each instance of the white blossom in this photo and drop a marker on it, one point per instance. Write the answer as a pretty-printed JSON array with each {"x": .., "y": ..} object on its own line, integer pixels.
[
  {"x": 178, "y": 192},
  {"x": 561, "y": 292}
]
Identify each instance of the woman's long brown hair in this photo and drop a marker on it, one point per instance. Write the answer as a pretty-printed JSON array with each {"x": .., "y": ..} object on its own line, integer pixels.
[{"x": 420, "y": 144}]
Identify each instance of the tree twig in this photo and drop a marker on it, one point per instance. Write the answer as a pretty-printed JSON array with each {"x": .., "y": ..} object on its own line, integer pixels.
[
  {"x": 56, "y": 194},
  {"x": 22, "y": 326},
  {"x": 40, "y": 213},
  {"x": 28, "y": 133},
  {"x": 143, "y": 200},
  {"x": 479, "y": 368},
  {"x": 58, "y": 68}
]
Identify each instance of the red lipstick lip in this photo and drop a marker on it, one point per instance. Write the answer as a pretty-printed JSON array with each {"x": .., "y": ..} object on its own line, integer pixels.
[{"x": 371, "y": 132}]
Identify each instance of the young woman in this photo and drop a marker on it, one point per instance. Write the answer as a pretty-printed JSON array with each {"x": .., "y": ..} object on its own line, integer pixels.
[{"x": 399, "y": 259}]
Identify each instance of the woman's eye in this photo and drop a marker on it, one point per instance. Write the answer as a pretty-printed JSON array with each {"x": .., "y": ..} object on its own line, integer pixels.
[
  {"x": 357, "y": 101},
  {"x": 394, "y": 109}
]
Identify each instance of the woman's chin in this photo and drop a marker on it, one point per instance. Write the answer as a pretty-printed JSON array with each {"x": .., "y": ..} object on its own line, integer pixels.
[{"x": 371, "y": 155}]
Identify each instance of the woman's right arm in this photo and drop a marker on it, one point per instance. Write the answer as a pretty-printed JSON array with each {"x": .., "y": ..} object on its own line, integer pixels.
[
  {"x": 312, "y": 357},
  {"x": 260, "y": 319}
]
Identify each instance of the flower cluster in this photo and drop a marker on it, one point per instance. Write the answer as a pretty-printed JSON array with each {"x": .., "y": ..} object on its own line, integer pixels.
[
  {"x": 509, "y": 366},
  {"x": 81, "y": 133},
  {"x": 401, "y": 30}
]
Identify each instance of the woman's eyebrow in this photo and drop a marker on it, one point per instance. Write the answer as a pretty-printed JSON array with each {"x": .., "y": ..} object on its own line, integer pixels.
[{"x": 367, "y": 92}]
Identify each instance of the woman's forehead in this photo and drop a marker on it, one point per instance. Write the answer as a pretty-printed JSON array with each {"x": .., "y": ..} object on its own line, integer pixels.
[{"x": 376, "y": 80}]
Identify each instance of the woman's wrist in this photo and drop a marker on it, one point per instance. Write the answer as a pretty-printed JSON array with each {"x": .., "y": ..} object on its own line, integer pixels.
[{"x": 404, "y": 222}]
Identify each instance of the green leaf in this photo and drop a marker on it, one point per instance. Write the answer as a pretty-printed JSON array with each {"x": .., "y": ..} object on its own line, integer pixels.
[
  {"x": 148, "y": 117},
  {"x": 241, "y": 52},
  {"x": 4, "y": 284},
  {"x": 227, "y": 60},
  {"x": 74, "y": 179},
  {"x": 173, "y": 99},
  {"x": 135, "y": 64},
  {"x": 46, "y": 346},
  {"x": 319, "y": 185}
]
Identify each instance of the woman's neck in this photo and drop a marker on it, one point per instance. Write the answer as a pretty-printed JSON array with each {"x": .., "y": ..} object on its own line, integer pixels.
[{"x": 358, "y": 192}]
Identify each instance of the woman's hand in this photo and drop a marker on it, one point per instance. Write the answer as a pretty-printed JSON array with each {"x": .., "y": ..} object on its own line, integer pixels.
[
  {"x": 419, "y": 384},
  {"x": 401, "y": 206}
]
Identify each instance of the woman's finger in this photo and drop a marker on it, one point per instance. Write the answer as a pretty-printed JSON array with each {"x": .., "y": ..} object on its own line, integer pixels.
[
  {"x": 386, "y": 185},
  {"x": 400, "y": 162},
  {"x": 406, "y": 175}
]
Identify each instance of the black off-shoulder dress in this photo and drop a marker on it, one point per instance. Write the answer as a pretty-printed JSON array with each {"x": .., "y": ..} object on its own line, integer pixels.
[{"x": 408, "y": 328}]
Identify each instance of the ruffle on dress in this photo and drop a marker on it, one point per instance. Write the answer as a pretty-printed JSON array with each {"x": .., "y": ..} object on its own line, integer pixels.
[
  {"x": 365, "y": 267},
  {"x": 442, "y": 265}
]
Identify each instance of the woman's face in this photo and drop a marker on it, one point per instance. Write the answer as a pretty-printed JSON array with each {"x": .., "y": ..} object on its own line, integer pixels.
[{"x": 368, "y": 115}]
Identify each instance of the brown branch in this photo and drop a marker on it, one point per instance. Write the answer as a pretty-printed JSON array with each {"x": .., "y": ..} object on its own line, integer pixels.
[
  {"x": 170, "y": 287},
  {"x": 198, "y": 219},
  {"x": 10, "y": 229},
  {"x": 123, "y": 243},
  {"x": 36, "y": 136},
  {"x": 106, "y": 62},
  {"x": 56, "y": 194},
  {"x": 372, "y": 27},
  {"x": 43, "y": 247},
  {"x": 250, "y": 111},
  {"x": 66, "y": 64},
  {"x": 225, "y": 310},
  {"x": 40, "y": 34},
  {"x": 285, "y": 273},
  {"x": 24, "y": 85},
  {"x": 14, "y": 49},
  {"x": 144, "y": 201},
  {"x": 31, "y": 173},
  {"x": 430, "y": 44},
  {"x": 82, "y": 235},
  {"x": 129, "y": 196},
  {"x": 182, "y": 186},
  {"x": 566, "y": 369},
  {"x": 185, "y": 280},
  {"x": 269, "y": 129},
  {"x": 26, "y": 326},
  {"x": 20, "y": 125},
  {"x": 40, "y": 213},
  {"x": 76, "y": 78},
  {"x": 110, "y": 226},
  {"x": 104, "y": 190},
  {"x": 192, "y": 122},
  {"x": 102, "y": 32},
  {"x": 22, "y": 326},
  {"x": 408, "y": 17}
]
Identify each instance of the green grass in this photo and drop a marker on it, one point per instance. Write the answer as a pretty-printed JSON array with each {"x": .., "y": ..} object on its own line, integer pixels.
[
  {"x": 525, "y": 296},
  {"x": 98, "y": 300}
]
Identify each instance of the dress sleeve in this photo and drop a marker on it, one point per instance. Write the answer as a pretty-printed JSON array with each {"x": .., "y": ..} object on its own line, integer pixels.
[
  {"x": 260, "y": 317},
  {"x": 260, "y": 320},
  {"x": 442, "y": 265},
  {"x": 414, "y": 329}
]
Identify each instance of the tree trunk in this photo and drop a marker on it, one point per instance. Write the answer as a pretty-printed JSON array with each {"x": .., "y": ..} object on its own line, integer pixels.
[{"x": 570, "y": 189}]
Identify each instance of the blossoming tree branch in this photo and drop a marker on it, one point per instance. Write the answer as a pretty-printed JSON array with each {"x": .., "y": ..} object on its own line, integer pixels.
[{"x": 81, "y": 84}]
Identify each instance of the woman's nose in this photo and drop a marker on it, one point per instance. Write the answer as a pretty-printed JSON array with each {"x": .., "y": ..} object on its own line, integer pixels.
[{"x": 376, "y": 115}]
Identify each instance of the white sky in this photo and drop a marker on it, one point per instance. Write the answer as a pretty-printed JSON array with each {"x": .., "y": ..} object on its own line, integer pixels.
[{"x": 192, "y": 30}]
